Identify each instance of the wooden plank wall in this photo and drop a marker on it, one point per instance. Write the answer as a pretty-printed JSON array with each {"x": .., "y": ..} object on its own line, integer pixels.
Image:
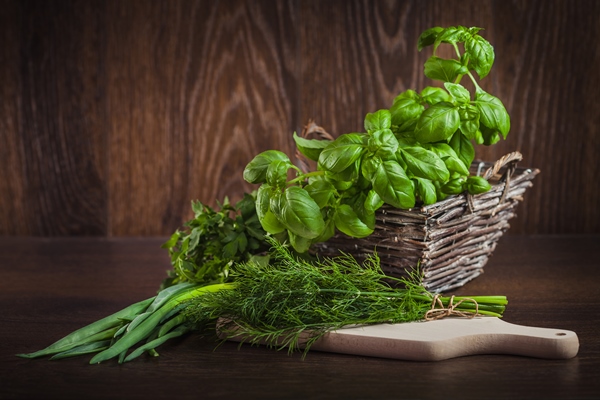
[{"x": 115, "y": 114}]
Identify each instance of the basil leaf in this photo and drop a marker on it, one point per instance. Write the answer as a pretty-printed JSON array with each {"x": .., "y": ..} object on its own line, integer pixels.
[
  {"x": 451, "y": 35},
  {"x": 458, "y": 92},
  {"x": 338, "y": 181},
  {"x": 298, "y": 212},
  {"x": 438, "y": 191},
  {"x": 437, "y": 123},
  {"x": 328, "y": 231},
  {"x": 311, "y": 148},
  {"x": 455, "y": 164},
  {"x": 276, "y": 175},
  {"x": 350, "y": 174},
  {"x": 407, "y": 94},
  {"x": 369, "y": 167},
  {"x": 425, "y": 189},
  {"x": 347, "y": 221},
  {"x": 321, "y": 191},
  {"x": 423, "y": 163},
  {"x": 393, "y": 185},
  {"x": 490, "y": 136},
  {"x": 477, "y": 184},
  {"x": 443, "y": 70},
  {"x": 383, "y": 143},
  {"x": 267, "y": 219},
  {"x": 378, "y": 120},
  {"x": 450, "y": 157},
  {"x": 406, "y": 131},
  {"x": 373, "y": 202},
  {"x": 362, "y": 183},
  {"x": 299, "y": 243},
  {"x": 473, "y": 30},
  {"x": 454, "y": 186},
  {"x": 492, "y": 112},
  {"x": 342, "y": 152},
  {"x": 479, "y": 136},
  {"x": 404, "y": 110},
  {"x": 463, "y": 148},
  {"x": 263, "y": 198},
  {"x": 481, "y": 54},
  {"x": 432, "y": 95},
  {"x": 428, "y": 37},
  {"x": 442, "y": 150},
  {"x": 469, "y": 120},
  {"x": 357, "y": 202},
  {"x": 256, "y": 170}
]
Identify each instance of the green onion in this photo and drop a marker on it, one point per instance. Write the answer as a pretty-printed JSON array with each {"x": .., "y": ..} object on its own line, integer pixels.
[{"x": 87, "y": 333}]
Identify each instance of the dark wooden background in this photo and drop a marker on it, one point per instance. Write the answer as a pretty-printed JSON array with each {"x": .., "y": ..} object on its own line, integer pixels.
[{"x": 115, "y": 114}]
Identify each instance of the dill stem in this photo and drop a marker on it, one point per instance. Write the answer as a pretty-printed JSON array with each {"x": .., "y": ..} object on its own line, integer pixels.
[
  {"x": 356, "y": 292},
  {"x": 486, "y": 305}
]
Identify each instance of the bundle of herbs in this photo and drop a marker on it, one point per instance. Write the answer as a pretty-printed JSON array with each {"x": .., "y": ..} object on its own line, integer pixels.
[
  {"x": 292, "y": 302},
  {"x": 288, "y": 302},
  {"x": 246, "y": 268}
]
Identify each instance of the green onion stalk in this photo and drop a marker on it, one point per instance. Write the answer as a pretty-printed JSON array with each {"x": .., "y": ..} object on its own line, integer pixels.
[
  {"x": 146, "y": 324},
  {"x": 289, "y": 302}
]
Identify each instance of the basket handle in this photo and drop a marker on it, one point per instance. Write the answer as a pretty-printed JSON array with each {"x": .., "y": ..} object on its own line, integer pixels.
[{"x": 510, "y": 160}]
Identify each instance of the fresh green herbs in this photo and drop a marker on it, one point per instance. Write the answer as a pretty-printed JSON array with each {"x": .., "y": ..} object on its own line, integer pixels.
[
  {"x": 146, "y": 324},
  {"x": 232, "y": 265},
  {"x": 201, "y": 255},
  {"x": 289, "y": 302},
  {"x": 416, "y": 152},
  {"x": 292, "y": 302},
  {"x": 213, "y": 240}
]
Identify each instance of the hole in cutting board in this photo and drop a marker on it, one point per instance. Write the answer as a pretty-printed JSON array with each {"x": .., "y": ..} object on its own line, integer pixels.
[{"x": 560, "y": 334}]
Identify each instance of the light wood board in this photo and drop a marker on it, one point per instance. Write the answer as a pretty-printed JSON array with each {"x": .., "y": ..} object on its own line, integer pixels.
[{"x": 449, "y": 338}]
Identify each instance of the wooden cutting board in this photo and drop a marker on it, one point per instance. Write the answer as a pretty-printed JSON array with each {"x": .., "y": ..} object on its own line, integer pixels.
[{"x": 448, "y": 338}]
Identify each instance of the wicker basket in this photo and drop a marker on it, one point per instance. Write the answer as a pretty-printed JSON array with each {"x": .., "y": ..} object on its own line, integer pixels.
[{"x": 450, "y": 241}]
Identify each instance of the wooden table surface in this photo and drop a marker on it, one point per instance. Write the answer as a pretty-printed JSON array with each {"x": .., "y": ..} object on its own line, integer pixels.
[{"x": 50, "y": 287}]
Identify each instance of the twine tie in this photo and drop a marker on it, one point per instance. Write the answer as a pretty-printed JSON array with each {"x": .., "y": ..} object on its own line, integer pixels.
[{"x": 438, "y": 310}]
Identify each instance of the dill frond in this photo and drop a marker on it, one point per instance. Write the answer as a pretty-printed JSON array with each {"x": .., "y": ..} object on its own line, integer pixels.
[{"x": 292, "y": 302}]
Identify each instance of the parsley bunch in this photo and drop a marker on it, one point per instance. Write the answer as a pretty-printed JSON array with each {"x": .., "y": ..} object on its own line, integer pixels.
[{"x": 213, "y": 241}]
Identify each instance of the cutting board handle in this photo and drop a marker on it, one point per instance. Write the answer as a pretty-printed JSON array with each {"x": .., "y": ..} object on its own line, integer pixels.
[{"x": 533, "y": 341}]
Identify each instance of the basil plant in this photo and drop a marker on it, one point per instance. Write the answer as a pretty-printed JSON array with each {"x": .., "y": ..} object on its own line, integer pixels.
[{"x": 416, "y": 152}]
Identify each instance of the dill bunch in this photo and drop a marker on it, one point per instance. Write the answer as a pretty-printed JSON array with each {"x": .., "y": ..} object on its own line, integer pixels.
[{"x": 292, "y": 302}]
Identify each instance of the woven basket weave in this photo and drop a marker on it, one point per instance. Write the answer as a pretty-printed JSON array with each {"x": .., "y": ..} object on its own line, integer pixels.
[{"x": 450, "y": 241}]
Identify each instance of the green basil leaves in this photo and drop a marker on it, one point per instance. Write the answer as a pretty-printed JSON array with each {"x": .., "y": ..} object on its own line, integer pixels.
[{"x": 416, "y": 152}]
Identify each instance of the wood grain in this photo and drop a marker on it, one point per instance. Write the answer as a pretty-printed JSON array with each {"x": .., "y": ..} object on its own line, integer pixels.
[
  {"x": 115, "y": 115},
  {"x": 12, "y": 187},
  {"x": 548, "y": 76},
  {"x": 52, "y": 108},
  {"x": 195, "y": 90},
  {"x": 64, "y": 283}
]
